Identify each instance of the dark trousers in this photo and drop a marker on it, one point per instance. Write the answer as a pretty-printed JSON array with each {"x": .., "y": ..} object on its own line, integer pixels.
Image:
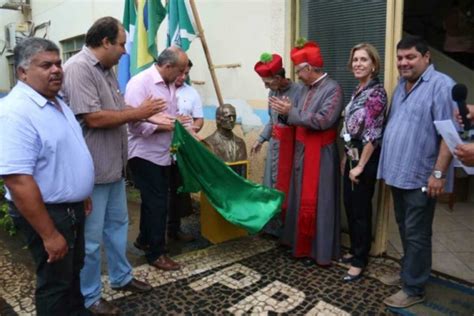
[
  {"x": 358, "y": 205},
  {"x": 58, "y": 290},
  {"x": 179, "y": 203},
  {"x": 153, "y": 183},
  {"x": 414, "y": 212}
]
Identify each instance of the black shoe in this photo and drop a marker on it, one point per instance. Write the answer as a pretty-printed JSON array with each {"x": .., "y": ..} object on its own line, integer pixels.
[{"x": 351, "y": 278}]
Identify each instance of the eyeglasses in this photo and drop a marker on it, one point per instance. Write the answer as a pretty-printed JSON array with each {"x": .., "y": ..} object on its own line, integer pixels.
[{"x": 297, "y": 71}]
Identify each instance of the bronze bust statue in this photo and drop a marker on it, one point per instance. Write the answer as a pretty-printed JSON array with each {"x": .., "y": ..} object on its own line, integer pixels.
[{"x": 223, "y": 142}]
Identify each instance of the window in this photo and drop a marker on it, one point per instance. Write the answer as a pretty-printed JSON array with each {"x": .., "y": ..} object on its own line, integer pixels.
[
  {"x": 337, "y": 26},
  {"x": 11, "y": 71},
  {"x": 72, "y": 45}
]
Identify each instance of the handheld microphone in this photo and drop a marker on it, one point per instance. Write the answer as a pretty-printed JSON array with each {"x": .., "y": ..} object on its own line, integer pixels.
[{"x": 459, "y": 94}]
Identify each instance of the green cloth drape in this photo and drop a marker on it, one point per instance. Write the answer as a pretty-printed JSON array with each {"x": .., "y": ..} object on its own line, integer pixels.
[{"x": 238, "y": 200}]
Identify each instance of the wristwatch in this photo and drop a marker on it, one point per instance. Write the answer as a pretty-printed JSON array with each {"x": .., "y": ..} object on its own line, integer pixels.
[{"x": 438, "y": 174}]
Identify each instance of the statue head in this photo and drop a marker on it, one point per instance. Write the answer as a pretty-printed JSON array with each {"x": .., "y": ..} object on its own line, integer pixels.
[
  {"x": 225, "y": 117},
  {"x": 223, "y": 142}
]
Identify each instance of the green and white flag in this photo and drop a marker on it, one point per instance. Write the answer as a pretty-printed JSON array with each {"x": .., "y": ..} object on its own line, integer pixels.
[{"x": 181, "y": 25}]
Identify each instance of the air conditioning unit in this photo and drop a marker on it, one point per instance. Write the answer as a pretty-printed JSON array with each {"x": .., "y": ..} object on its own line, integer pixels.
[
  {"x": 15, "y": 33},
  {"x": 12, "y": 4},
  {"x": 10, "y": 36}
]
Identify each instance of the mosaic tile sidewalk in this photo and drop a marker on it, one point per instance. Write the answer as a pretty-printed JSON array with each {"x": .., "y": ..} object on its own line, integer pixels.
[
  {"x": 266, "y": 282},
  {"x": 247, "y": 276},
  {"x": 17, "y": 285}
]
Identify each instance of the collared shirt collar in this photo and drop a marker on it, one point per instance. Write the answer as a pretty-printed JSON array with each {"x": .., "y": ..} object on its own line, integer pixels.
[
  {"x": 155, "y": 74},
  {"x": 428, "y": 73},
  {"x": 425, "y": 76},
  {"x": 37, "y": 98},
  {"x": 91, "y": 58}
]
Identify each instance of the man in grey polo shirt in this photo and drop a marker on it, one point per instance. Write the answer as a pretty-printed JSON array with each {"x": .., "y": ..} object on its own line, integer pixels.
[
  {"x": 414, "y": 159},
  {"x": 92, "y": 91}
]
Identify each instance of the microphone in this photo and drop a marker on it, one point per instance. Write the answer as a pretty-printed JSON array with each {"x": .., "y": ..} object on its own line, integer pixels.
[{"x": 459, "y": 94}]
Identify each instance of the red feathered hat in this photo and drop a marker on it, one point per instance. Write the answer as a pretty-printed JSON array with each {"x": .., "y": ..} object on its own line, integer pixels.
[
  {"x": 268, "y": 65},
  {"x": 307, "y": 52}
]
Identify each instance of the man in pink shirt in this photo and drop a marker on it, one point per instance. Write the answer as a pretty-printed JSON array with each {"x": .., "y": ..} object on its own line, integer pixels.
[{"x": 149, "y": 151}]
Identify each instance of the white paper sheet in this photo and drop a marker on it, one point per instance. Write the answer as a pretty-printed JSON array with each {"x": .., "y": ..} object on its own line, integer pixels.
[{"x": 451, "y": 137}]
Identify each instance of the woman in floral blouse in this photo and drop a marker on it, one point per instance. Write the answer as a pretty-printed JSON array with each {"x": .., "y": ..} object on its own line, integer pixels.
[{"x": 362, "y": 133}]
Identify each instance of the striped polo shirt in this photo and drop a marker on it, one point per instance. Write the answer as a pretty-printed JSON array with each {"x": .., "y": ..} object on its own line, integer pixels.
[{"x": 88, "y": 88}]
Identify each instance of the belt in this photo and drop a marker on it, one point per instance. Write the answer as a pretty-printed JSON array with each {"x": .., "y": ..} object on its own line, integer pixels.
[
  {"x": 61, "y": 206},
  {"x": 54, "y": 206}
]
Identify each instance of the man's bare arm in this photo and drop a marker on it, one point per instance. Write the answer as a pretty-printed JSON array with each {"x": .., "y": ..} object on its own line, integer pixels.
[
  {"x": 111, "y": 118},
  {"x": 436, "y": 186},
  {"x": 27, "y": 198}
]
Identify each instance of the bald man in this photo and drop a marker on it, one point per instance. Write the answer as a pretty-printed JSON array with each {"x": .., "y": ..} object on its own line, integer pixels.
[{"x": 149, "y": 151}]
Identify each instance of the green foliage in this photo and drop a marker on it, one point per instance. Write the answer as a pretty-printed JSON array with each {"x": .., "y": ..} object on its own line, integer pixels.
[{"x": 6, "y": 221}]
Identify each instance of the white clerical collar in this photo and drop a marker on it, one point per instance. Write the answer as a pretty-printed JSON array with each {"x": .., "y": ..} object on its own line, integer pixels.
[{"x": 319, "y": 79}]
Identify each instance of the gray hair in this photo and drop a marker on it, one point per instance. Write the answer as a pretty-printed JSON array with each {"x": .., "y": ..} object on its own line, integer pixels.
[
  {"x": 28, "y": 48},
  {"x": 315, "y": 69},
  {"x": 169, "y": 56}
]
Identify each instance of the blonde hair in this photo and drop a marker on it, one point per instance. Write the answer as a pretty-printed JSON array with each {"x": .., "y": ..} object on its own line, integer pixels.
[{"x": 373, "y": 55}]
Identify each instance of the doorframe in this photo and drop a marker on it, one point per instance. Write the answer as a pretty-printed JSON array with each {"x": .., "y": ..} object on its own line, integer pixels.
[{"x": 393, "y": 34}]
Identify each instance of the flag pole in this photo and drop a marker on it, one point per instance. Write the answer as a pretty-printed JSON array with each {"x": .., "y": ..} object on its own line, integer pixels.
[{"x": 207, "y": 53}]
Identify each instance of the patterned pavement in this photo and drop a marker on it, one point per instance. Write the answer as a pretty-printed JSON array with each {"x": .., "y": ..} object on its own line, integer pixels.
[{"x": 249, "y": 276}]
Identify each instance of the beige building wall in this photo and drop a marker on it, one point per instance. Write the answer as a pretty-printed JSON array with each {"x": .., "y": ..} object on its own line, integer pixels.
[
  {"x": 237, "y": 31},
  {"x": 6, "y": 17},
  {"x": 73, "y": 17}
]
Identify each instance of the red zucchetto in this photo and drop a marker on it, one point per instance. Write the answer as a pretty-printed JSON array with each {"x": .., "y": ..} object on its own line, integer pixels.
[
  {"x": 269, "y": 65},
  {"x": 307, "y": 52}
]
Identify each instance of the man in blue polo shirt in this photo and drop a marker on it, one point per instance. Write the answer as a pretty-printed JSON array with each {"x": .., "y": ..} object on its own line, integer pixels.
[
  {"x": 413, "y": 162},
  {"x": 49, "y": 175}
]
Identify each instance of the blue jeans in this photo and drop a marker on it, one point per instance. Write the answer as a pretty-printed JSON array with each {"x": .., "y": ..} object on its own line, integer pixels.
[
  {"x": 153, "y": 182},
  {"x": 57, "y": 284},
  {"x": 414, "y": 212},
  {"x": 108, "y": 222}
]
